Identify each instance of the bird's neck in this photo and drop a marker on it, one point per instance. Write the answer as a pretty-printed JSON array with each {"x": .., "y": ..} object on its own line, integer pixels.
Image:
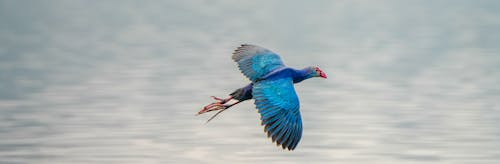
[{"x": 301, "y": 75}]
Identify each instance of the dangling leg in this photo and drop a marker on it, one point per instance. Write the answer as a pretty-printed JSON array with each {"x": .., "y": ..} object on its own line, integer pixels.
[
  {"x": 218, "y": 105},
  {"x": 223, "y": 109},
  {"x": 239, "y": 95}
]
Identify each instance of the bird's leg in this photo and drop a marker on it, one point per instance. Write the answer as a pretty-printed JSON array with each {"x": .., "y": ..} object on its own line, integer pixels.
[
  {"x": 222, "y": 101},
  {"x": 218, "y": 105},
  {"x": 224, "y": 107},
  {"x": 230, "y": 105}
]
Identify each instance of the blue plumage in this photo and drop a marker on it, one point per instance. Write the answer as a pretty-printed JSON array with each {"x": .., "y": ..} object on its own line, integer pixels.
[
  {"x": 255, "y": 62},
  {"x": 279, "y": 106},
  {"x": 272, "y": 87}
]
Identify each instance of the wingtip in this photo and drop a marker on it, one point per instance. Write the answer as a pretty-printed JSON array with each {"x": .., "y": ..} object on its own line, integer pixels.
[
  {"x": 290, "y": 147},
  {"x": 246, "y": 44}
]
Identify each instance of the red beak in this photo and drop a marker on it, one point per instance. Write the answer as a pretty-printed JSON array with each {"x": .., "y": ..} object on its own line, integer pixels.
[{"x": 323, "y": 74}]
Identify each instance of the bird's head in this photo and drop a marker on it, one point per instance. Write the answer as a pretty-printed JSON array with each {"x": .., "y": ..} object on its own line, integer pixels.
[{"x": 317, "y": 72}]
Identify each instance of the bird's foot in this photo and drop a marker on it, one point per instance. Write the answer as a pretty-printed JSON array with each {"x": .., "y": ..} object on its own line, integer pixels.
[
  {"x": 218, "y": 105},
  {"x": 221, "y": 100},
  {"x": 211, "y": 107}
]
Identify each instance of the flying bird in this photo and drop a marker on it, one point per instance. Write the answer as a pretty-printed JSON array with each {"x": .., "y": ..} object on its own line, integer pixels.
[{"x": 272, "y": 88}]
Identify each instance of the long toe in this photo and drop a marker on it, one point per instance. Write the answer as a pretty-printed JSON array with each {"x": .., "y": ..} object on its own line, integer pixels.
[
  {"x": 211, "y": 107},
  {"x": 217, "y": 98},
  {"x": 221, "y": 100}
]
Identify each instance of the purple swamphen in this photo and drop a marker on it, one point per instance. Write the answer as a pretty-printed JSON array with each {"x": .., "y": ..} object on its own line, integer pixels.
[{"x": 272, "y": 88}]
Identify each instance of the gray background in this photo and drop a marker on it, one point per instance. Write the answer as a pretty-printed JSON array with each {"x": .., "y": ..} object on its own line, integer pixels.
[{"x": 120, "y": 81}]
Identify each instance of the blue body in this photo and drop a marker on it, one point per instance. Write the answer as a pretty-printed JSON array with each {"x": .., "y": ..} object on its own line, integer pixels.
[{"x": 285, "y": 72}]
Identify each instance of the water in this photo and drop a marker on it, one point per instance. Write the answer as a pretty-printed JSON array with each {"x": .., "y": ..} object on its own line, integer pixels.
[{"x": 120, "y": 81}]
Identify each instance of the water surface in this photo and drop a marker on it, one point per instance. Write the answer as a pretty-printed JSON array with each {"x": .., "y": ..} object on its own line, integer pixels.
[{"x": 120, "y": 81}]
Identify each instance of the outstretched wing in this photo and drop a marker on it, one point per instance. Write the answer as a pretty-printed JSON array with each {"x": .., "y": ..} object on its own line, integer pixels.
[
  {"x": 255, "y": 62},
  {"x": 278, "y": 106}
]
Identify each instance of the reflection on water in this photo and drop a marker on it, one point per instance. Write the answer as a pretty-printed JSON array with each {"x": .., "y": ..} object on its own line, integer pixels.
[{"x": 107, "y": 82}]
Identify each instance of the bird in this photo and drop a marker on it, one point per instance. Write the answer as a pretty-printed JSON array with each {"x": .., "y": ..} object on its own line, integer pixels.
[{"x": 272, "y": 87}]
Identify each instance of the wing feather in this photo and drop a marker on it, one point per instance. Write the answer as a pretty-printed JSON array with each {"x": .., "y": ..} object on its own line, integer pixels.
[
  {"x": 255, "y": 62},
  {"x": 278, "y": 105}
]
